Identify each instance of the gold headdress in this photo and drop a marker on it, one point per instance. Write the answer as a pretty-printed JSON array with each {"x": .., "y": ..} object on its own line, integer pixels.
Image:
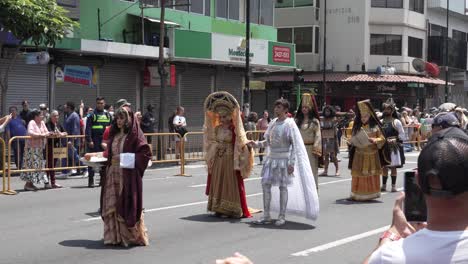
[
  {"x": 307, "y": 100},
  {"x": 365, "y": 107}
]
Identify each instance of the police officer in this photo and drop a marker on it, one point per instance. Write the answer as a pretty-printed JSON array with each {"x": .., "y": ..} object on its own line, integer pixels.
[{"x": 96, "y": 124}]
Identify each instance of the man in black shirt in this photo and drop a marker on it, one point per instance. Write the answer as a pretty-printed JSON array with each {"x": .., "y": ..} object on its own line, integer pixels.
[{"x": 25, "y": 114}]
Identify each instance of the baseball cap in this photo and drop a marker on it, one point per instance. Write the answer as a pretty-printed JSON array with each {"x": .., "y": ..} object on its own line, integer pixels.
[
  {"x": 446, "y": 119},
  {"x": 445, "y": 157}
]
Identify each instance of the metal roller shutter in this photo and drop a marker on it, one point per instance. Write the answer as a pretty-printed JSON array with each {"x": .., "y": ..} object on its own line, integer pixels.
[
  {"x": 231, "y": 81},
  {"x": 118, "y": 79},
  {"x": 195, "y": 86},
  {"x": 26, "y": 82},
  {"x": 259, "y": 102},
  {"x": 76, "y": 92}
]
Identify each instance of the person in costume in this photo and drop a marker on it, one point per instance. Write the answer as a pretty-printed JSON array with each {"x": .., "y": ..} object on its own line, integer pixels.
[
  {"x": 228, "y": 158},
  {"x": 308, "y": 121},
  {"x": 330, "y": 145},
  {"x": 395, "y": 134},
  {"x": 365, "y": 158},
  {"x": 286, "y": 166},
  {"x": 122, "y": 188}
]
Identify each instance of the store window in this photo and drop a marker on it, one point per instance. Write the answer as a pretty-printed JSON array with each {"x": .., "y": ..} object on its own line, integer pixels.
[
  {"x": 387, "y": 3},
  {"x": 385, "y": 44},
  {"x": 415, "y": 47},
  {"x": 285, "y": 35},
  {"x": 417, "y": 6},
  {"x": 303, "y": 39}
]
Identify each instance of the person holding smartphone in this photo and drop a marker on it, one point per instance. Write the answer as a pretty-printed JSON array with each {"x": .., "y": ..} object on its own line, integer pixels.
[
  {"x": 443, "y": 180},
  {"x": 180, "y": 125}
]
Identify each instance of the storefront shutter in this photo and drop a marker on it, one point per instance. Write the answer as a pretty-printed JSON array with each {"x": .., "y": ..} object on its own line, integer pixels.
[{"x": 118, "y": 79}]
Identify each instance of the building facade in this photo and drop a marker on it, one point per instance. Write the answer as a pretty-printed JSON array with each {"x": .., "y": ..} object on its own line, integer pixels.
[
  {"x": 117, "y": 44},
  {"x": 370, "y": 49}
]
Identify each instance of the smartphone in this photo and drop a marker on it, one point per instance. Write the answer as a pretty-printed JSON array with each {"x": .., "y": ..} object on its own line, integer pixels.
[{"x": 415, "y": 205}]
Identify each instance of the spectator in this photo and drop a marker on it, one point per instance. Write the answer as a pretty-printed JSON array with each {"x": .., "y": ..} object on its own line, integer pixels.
[
  {"x": 72, "y": 127},
  {"x": 180, "y": 125},
  {"x": 25, "y": 113},
  {"x": 34, "y": 157},
  {"x": 251, "y": 122},
  {"x": 45, "y": 112},
  {"x": 443, "y": 178},
  {"x": 148, "y": 122},
  {"x": 16, "y": 128},
  {"x": 444, "y": 120},
  {"x": 55, "y": 141},
  {"x": 262, "y": 125}
]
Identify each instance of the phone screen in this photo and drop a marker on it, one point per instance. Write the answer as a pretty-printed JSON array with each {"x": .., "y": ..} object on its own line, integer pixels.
[{"x": 415, "y": 204}]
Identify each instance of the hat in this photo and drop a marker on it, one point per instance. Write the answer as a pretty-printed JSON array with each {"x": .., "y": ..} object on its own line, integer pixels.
[
  {"x": 43, "y": 106},
  {"x": 121, "y": 103},
  {"x": 446, "y": 157},
  {"x": 446, "y": 119},
  {"x": 389, "y": 103}
]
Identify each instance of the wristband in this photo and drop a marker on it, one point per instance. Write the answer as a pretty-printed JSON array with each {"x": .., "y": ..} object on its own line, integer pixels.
[{"x": 390, "y": 235}]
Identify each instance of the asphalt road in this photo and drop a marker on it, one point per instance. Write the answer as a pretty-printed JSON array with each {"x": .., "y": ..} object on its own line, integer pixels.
[{"x": 62, "y": 226}]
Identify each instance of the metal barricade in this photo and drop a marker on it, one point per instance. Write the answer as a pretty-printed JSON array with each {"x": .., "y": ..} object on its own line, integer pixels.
[
  {"x": 3, "y": 170},
  {"x": 51, "y": 150},
  {"x": 192, "y": 148},
  {"x": 166, "y": 148}
]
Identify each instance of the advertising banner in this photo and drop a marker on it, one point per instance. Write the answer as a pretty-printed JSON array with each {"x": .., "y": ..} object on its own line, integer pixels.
[{"x": 83, "y": 75}]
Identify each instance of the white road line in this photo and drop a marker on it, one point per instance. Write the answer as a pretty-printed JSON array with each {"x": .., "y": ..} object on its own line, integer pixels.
[
  {"x": 165, "y": 208},
  {"x": 340, "y": 242}
]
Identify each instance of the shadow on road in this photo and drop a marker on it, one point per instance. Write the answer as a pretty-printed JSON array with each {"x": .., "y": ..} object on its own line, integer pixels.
[
  {"x": 90, "y": 244},
  {"x": 347, "y": 201},
  {"x": 290, "y": 225},
  {"x": 209, "y": 218}
]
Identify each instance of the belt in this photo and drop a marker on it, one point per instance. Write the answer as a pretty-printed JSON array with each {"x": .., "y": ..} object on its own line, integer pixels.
[
  {"x": 115, "y": 162},
  {"x": 308, "y": 144},
  {"x": 279, "y": 155}
]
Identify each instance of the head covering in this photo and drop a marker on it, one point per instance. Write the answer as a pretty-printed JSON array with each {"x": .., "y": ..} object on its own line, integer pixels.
[
  {"x": 223, "y": 103},
  {"x": 446, "y": 157},
  {"x": 365, "y": 107},
  {"x": 446, "y": 120},
  {"x": 309, "y": 101},
  {"x": 389, "y": 104},
  {"x": 122, "y": 103}
]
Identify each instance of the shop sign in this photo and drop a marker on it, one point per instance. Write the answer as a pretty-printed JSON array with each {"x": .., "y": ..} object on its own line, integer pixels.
[
  {"x": 281, "y": 54},
  {"x": 84, "y": 75},
  {"x": 233, "y": 49}
]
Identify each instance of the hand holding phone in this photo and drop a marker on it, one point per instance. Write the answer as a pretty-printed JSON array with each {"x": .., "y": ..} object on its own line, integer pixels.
[{"x": 414, "y": 205}]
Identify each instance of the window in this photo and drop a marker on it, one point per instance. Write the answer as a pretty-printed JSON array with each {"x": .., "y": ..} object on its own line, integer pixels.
[
  {"x": 182, "y": 5},
  {"x": 387, "y": 3},
  {"x": 415, "y": 47},
  {"x": 284, "y": 3},
  {"x": 459, "y": 35},
  {"x": 417, "y": 6},
  {"x": 285, "y": 35},
  {"x": 207, "y": 7},
  {"x": 316, "y": 40},
  {"x": 196, "y": 7},
  {"x": 295, "y": 3},
  {"x": 298, "y": 3},
  {"x": 438, "y": 31},
  {"x": 303, "y": 39},
  {"x": 233, "y": 9},
  {"x": 254, "y": 11},
  {"x": 385, "y": 44},
  {"x": 266, "y": 12},
  {"x": 221, "y": 8}
]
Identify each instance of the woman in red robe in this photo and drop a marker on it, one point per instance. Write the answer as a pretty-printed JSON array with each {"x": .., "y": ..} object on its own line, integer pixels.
[{"x": 228, "y": 158}]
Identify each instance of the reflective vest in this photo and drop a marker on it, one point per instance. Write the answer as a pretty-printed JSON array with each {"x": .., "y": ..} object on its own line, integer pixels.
[{"x": 100, "y": 121}]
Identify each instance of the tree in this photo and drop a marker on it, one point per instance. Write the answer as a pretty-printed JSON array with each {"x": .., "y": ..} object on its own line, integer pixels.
[{"x": 40, "y": 22}]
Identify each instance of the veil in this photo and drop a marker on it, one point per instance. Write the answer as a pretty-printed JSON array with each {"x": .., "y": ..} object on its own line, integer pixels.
[{"x": 243, "y": 156}]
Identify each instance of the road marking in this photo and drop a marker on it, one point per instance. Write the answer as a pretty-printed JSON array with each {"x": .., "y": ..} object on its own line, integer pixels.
[
  {"x": 340, "y": 242},
  {"x": 166, "y": 208}
]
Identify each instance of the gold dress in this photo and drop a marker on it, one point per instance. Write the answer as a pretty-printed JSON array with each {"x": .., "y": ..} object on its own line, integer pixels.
[
  {"x": 115, "y": 229},
  {"x": 311, "y": 135},
  {"x": 366, "y": 168},
  {"x": 223, "y": 192}
]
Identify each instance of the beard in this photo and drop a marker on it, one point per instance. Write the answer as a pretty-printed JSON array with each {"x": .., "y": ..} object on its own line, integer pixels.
[{"x": 386, "y": 114}]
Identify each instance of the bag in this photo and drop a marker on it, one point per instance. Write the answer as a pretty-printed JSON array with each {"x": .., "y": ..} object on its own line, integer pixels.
[
  {"x": 127, "y": 160},
  {"x": 181, "y": 130}
]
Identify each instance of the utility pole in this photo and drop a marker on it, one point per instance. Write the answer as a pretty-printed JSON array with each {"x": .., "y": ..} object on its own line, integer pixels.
[
  {"x": 161, "y": 70},
  {"x": 142, "y": 23},
  {"x": 324, "y": 53},
  {"x": 446, "y": 56},
  {"x": 247, "y": 53}
]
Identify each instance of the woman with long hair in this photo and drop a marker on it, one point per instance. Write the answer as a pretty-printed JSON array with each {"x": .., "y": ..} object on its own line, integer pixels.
[
  {"x": 366, "y": 160},
  {"x": 308, "y": 122},
  {"x": 228, "y": 158},
  {"x": 330, "y": 145}
]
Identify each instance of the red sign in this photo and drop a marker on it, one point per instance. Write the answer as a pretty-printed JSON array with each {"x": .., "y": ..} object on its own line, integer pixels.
[
  {"x": 146, "y": 77},
  {"x": 173, "y": 76},
  {"x": 281, "y": 54}
]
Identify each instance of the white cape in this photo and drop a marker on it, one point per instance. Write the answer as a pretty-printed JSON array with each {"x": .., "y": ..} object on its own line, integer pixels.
[{"x": 302, "y": 193}]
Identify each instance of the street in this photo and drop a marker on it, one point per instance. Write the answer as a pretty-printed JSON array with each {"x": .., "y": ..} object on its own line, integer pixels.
[{"x": 63, "y": 226}]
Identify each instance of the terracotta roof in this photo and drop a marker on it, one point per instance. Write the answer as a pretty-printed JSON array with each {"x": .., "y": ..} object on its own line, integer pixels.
[{"x": 357, "y": 77}]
